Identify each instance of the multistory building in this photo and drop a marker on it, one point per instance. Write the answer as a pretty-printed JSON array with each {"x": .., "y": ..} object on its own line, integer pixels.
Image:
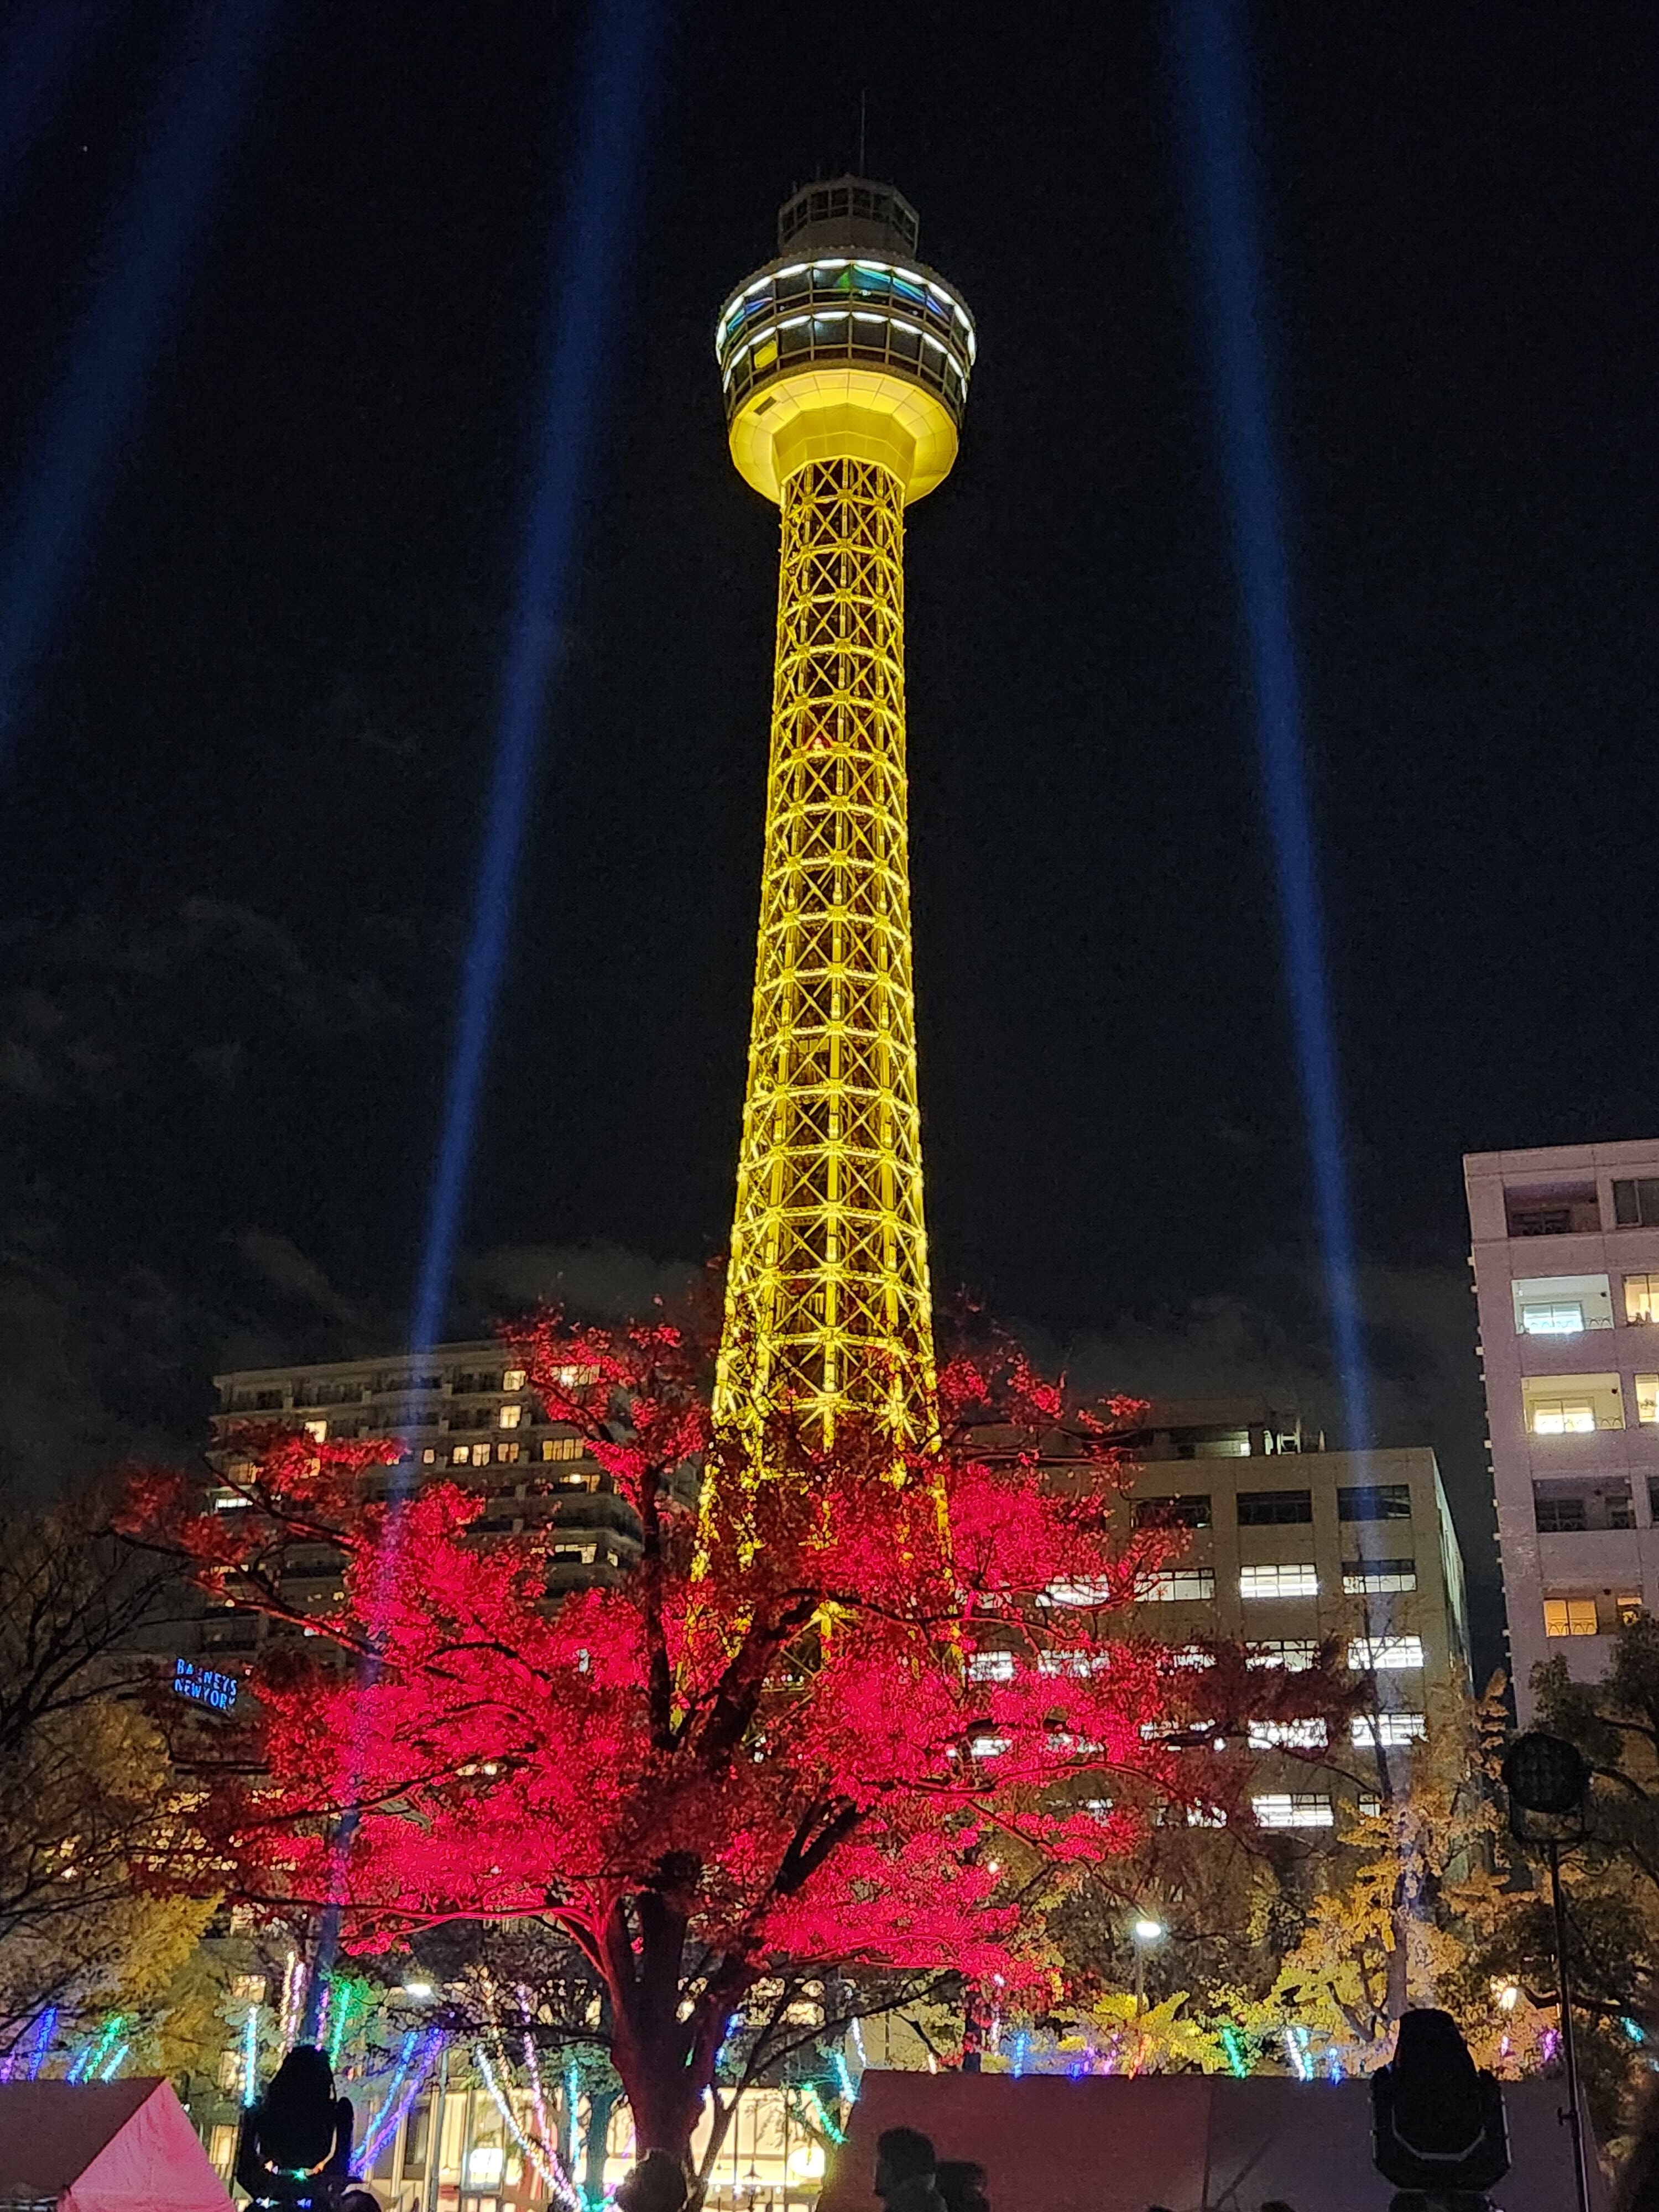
[
  {"x": 1564, "y": 1245},
  {"x": 1289, "y": 1549},
  {"x": 464, "y": 1412}
]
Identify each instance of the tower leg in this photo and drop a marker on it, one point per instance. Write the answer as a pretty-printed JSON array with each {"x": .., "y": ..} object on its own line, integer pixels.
[{"x": 829, "y": 1313}]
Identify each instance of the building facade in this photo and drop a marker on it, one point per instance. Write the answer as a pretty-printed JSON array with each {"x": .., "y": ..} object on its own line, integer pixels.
[
  {"x": 1289, "y": 1549},
  {"x": 1565, "y": 1247},
  {"x": 464, "y": 1412}
]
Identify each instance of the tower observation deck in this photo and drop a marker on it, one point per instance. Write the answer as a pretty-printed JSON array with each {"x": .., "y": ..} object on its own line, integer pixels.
[{"x": 845, "y": 366}]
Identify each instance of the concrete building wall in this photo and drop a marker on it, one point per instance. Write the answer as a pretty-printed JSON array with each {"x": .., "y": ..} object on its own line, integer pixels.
[
  {"x": 1375, "y": 1561},
  {"x": 467, "y": 1415},
  {"x": 1565, "y": 1244}
]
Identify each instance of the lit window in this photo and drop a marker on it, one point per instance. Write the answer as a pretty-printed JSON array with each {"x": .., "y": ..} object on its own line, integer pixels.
[
  {"x": 1393, "y": 1729},
  {"x": 461, "y": 1457},
  {"x": 1562, "y": 1305},
  {"x": 1371, "y": 1807},
  {"x": 991, "y": 1666},
  {"x": 1296, "y": 1654},
  {"x": 561, "y": 1446},
  {"x": 1296, "y": 1578},
  {"x": 428, "y": 1458},
  {"x": 513, "y": 1379},
  {"x": 511, "y": 1416},
  {"x": 1562, "y": 1417},
  {"x": 1293, "y": 1809},
  {"x": 1384, "y": 1652},
  {"x": 1563, "y": 1319},
  {"x": 1647, "y": 1398},
  {"x": 1172, "y": 1731},
  {"x": 1192, "y": 1654},
  {"x": 1307, "y": 1735},
  {"x": 575, "y": 1378},
  {"x": 1642, "y": 1299},
  {"x": 1176, "y": 1585},
  {"x": 1628, "y": 1608},
  {"x": 1207, "y": 1816},
  {"x": 991, "y": 1747},
  {"x": 1377, "y": 1578},
  {"x": 1572, "y": 1405},
  {"x": 506, "y": 1454},
  {"x": 1098, "y": 1592},
  {"x": 1077, "y": 1664},
  {"x": 1570, "y": 1616},
  {"x": 317, "y": 1431}
]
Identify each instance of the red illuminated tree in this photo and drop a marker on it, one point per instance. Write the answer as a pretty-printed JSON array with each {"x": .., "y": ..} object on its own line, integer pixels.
[{"x": 773, "y": 1744}]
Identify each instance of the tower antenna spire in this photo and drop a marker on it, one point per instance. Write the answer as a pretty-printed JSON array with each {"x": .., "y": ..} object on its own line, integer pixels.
[{"x": 845, "y": 364}]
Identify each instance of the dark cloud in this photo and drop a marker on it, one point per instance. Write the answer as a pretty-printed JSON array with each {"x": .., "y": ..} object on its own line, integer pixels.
[
  {"x": 279, "y": 1262},
  {"x": 1270, "y": 1337},
  {"x": 598, "y": 1282}
]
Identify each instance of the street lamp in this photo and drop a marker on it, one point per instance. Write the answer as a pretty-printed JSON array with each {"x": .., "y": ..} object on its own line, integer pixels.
[
  {"x": 1548, "y": 1782},
  {"x": 1146, "y": 1932}
]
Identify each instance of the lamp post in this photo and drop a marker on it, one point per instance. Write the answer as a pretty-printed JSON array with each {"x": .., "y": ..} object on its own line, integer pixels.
[
  {"x": 1548, "y": 1781},
  {"x": 1146, "y": 1932}
]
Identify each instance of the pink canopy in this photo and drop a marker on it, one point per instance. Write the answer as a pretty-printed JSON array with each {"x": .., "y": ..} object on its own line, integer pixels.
[
  {"x": 103, "y": 2146},
  {"x": 1195, "y": 2142}
]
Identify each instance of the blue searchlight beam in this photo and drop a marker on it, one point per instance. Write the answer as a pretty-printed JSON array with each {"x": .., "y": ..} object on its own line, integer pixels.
[
  {"x": 588, "y": 253},
  {"x": 148, "y": 257},
  {"x": 590, "y": 250},
  {"x": 1222, "y": 191}
]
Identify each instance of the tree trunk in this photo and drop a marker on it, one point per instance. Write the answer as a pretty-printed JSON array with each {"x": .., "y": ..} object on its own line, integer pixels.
[
  {"x": 665, "y": 2097},
  {"x": 664, "y": 2064},
  {"x": 601, "y": 2103}
]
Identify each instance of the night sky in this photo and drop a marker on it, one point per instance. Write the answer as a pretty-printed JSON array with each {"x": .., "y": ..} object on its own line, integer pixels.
[{"x": 242, "y": 795}]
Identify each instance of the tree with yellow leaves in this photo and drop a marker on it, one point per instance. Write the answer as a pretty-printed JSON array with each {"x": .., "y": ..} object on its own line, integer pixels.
[
  {"x": 1405, "y": 1901},
  {"x": 86, "y": 1786}
]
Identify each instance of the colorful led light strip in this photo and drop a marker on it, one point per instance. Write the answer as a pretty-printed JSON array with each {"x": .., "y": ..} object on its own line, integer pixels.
[
  {"x": 389, "y": 2117},
  {"x": 294, "y": 1990},
  {"x": 250, "y": 2056},
  {"x": 112, "y": 2066},
  {"x": 573, "y": 2082},
  {"x": 1233, "y": 2043},
  {"x": 45, "y": 2030},
  {"x": 810, "y": 2091},
  {"x": 544, "y": 2161}
]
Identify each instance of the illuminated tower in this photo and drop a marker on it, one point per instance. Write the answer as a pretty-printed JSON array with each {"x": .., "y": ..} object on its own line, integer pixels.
[{"x": 845, "y": 364}]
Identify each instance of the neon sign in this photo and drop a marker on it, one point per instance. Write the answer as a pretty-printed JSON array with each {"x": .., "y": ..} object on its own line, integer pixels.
[{"x": 203, "y": 1687}]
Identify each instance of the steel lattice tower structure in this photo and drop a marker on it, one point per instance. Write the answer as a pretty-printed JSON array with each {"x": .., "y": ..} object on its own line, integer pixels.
[{"x": 845, "y": 365}]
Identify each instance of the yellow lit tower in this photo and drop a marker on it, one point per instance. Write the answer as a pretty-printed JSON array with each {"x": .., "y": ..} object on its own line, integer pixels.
[{"x": 845, "y": 365}]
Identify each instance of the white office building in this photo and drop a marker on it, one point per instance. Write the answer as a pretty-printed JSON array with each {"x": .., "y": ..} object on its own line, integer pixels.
[{"x": 1566, "y": 1253}]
